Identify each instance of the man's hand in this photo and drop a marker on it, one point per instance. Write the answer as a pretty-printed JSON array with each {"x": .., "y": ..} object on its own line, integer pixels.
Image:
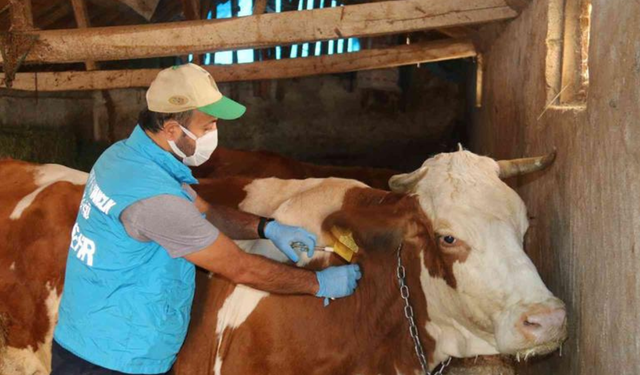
[
  {"x": 283, "y": 236},
  {"x": 336, "y": 282}
]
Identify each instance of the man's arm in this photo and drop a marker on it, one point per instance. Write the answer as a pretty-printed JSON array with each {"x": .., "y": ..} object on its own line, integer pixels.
[
  {"x": 225, "y": 258},
  {"x": 236, "y": 224},
  {"x": 244, "y": 226}
]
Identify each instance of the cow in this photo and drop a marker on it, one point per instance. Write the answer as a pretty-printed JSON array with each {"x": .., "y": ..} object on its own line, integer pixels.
[
  {"x": 459, "y": 231},
  {"x": 38, "y": 207},
  {"x": 227, "y": 162},
  {"x": 479, "y": 294}
]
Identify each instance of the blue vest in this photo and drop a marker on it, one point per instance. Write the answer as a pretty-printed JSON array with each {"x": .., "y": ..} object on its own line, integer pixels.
[{"x": 126, "y": 304}]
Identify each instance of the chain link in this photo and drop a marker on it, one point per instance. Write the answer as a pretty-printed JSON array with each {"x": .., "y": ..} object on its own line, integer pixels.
[{"x": 401, "y": 273}]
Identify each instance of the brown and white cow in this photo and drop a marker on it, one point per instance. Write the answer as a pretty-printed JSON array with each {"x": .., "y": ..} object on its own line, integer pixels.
[
  {"x": 480, "y": 296},
  {"x": 227, "y": 162},
  {"x": 38, "y": 206}
]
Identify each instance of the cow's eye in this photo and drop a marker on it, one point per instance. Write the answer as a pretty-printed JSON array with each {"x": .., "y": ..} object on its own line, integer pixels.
[{"x": 448, "y": 240}]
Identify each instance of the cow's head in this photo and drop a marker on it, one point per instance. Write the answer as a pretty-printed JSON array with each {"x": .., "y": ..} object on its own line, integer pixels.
[{"x": 480, "y": 284}]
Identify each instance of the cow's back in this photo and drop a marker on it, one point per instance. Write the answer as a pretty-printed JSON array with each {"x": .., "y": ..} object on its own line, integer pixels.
[
  {"x": 38, "y": 205},
  {"x": 263, "y": 164}
]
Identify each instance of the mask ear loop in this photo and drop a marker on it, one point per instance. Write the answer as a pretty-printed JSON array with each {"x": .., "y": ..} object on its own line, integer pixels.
[{"x": 188, "y": 133}]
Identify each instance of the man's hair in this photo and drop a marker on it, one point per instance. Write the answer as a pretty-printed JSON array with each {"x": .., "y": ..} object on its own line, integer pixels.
[{"x": 154, "y": 121}]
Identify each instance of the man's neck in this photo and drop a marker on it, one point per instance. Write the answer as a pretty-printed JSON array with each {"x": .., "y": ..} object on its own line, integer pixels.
[{"x": 158, "y": 140}]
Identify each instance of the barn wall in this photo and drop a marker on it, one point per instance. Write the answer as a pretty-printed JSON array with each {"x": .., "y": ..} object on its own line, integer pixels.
[
  {"x": 585, "y": 234},
  {"x": 329, "y": 120}
]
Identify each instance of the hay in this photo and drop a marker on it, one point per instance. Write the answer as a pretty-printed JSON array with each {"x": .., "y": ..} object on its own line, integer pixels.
[
  {"x": 46, "y": 145},
  {"x": 38, "y": 145}
]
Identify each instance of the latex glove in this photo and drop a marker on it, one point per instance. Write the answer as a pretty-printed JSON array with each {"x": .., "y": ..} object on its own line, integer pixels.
[
  {"x": 283, "y": 236},
  {"x": 337, "y": 282}
]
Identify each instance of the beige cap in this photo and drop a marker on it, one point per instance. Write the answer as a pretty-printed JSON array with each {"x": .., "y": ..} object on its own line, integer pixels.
[{"x": 185, "y": 87}]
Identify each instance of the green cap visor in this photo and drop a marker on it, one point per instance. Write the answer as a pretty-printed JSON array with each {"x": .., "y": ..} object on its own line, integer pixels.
[{"x": 224, "y": 109}]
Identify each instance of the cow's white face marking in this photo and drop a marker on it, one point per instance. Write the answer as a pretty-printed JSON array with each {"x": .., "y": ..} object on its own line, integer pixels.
[
  {"x": 12, "y": 267},
  {"x": 44, "y": 176},
  {"x": 32, "y": 361},
  {"x": 464, "y": 197}
]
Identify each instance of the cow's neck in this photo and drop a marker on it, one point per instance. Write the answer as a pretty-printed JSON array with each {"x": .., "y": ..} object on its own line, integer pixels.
[
  {"x": 379, "y": 310},
  {"x": 452, "y": 338}
]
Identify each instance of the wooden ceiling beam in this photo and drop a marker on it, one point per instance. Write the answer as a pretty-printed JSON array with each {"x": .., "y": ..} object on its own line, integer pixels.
[
  {"x": 271, "y": 69},
  {"x": 272, "y": 29},
  {"x": 81, "y": 13},
  {"x": 145, "y": 8},
  {"x": 191, "y": 11},
  {"x": 21, "y": 15},
  {"x": 457, "y": 31}
]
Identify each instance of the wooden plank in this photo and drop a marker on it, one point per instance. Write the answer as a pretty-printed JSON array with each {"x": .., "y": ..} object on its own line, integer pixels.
[
  {"x": 21, "y": 15},
  {"x": 260, "y": 7},
  {"x": 191, "y": 11},
  {"x": 4, "y": 6},
  {"x": 272, "y": 69},
  {"x": 457, "y": 31},
  {"x": 145, "y": 8},
  {"x": 371, "y": 19},
  {"x": 82, "y": 19}
]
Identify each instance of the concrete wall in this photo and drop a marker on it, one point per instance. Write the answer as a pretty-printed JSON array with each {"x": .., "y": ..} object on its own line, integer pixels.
[
  {"x": 585, "y": 233},
  {"x": 328, "y": 120}
]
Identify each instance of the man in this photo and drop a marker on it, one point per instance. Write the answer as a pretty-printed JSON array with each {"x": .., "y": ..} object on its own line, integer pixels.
[{"x": 140, "y": 230}]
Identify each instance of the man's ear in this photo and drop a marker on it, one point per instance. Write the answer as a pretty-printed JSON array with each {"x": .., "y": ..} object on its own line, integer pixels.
[{"x": 171, "y": 130}]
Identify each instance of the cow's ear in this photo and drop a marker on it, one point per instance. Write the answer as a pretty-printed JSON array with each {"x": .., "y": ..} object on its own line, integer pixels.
[{"x": 406, "y": 182}]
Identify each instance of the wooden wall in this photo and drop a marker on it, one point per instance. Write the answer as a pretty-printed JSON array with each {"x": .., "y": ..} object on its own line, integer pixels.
[{"x": 585, "y": 234}]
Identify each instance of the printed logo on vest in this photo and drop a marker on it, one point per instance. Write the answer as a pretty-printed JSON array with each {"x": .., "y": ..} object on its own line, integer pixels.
[
  {"x": 100, "y": 199},
  {"x": 83, "y": 246}
]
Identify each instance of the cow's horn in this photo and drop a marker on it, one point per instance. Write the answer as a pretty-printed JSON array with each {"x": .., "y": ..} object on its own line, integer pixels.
[{"x": 518, "y": 167}]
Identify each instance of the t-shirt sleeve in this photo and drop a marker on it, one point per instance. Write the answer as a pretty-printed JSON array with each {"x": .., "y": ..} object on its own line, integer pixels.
[{"x": 171, "y": 221}]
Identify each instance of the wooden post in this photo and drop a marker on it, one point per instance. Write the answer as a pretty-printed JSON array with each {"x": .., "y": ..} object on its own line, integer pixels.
[
  {"x": 21, "y": 15},
  {"x": 191, "y": 10},
  {"x": 82, "y": 19}
]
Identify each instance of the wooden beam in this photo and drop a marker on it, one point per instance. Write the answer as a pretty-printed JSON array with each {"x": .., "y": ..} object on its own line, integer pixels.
[
  {"x": 272, "y": 29},
  {"x": 259, "y": 7},
  {"x": 191, "y": 10},
  {"x": 145, "y": 8},
  {"x": 457, "y": 31},
  {"x": 82, "y": 19},
  {"x": 21, "y": 15},
  {"x": 272, "y": 69},
  {"x": 4, "y": 6}
]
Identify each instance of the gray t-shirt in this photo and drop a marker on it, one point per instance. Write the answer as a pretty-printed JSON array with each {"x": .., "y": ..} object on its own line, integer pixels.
[{"x": 173, "y": 222}]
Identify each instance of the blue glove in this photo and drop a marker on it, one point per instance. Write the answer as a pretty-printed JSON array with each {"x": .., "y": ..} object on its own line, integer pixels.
[
  {"x": 283, "y": 236},
  {"x": 336, "y": 282}
]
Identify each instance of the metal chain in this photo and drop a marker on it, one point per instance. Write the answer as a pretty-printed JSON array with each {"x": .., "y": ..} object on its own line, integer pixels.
[{"x": 408, "y": 313}]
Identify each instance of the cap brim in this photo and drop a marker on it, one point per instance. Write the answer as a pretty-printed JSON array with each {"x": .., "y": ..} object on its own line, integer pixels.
[{"x": 225, "y": 109}]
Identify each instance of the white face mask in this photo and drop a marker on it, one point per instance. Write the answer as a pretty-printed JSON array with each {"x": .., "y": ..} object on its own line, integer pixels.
[{"x": 204, "y": 147}]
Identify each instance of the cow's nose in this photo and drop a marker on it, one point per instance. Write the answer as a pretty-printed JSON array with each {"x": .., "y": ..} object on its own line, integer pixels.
[{"x": 542, "y": 325}]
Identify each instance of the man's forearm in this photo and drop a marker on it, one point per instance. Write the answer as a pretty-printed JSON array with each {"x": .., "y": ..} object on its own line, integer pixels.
[
  {"x": 270, "y": 276},
  {"x": 223, "y": 257},
  {"x": 238, "y": 225}
]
